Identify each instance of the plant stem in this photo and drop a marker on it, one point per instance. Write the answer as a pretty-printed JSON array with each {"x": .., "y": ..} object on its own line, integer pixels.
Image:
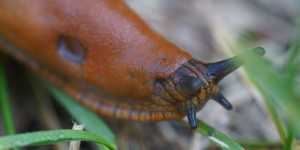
[
  {"x": 4, "y": 102},
  {"x": 260, "y": 144}
]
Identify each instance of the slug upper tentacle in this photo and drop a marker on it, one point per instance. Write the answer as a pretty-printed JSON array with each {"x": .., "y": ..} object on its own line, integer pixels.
[{"x": 219, "y": 70}]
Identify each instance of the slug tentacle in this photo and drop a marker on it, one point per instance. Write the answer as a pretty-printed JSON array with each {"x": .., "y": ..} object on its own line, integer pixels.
[
  {"x": 218, "y": 97},
  {"x": 191, "y": 114},
  {"x": 219, "y": 70}
]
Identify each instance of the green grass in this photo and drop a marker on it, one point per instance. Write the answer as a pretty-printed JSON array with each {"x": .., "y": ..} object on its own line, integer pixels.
[
  {"x": 82, "y": 115},
  {"x": 217, "y": 137},
  {"x": 50, "y": 137},
  {"x": 260, "y": 144},
  {"x": 5, "y": 104},
  {"x": 101, "y": 133}
]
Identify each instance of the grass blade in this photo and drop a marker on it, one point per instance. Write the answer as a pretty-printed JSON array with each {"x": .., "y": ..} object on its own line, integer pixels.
[
  {"x": 261, "y": 145},
  {"x": 4, "y": 102},
  {"x": 217, "y": 137},
  {"x": 50, "y": 137},
  {"x": 289, "y": 141},
  {"x": 5, "y": 106},
  {"x": 276, "y": 89},
  {"x": 271, "y": 108},
  {"x": 274, "y": 84},
  {"x": 83, "y": 115}
]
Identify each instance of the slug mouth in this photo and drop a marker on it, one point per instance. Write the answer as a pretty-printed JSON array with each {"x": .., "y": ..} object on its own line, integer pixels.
[{"x": 191, "y": 107}]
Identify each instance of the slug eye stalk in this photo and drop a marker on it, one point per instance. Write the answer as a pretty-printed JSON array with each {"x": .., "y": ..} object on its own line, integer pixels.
[{"x": 219, "y": 70}]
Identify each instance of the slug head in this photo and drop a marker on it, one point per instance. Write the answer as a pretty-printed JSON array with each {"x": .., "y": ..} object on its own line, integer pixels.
[{"x": 198, "y": 82}]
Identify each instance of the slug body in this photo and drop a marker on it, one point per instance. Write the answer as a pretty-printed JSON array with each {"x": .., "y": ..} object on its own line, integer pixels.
[{"x": 104, "y": 56}]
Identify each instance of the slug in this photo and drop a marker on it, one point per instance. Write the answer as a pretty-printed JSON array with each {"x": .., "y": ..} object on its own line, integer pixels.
[{"x": 105, "y": 57}]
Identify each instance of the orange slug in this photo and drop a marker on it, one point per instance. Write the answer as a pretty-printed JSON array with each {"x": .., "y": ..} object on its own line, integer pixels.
[{"x": 105, "y": 57}]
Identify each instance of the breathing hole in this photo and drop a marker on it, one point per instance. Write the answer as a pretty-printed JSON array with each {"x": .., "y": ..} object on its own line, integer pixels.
[{"x": 71, "y": 49}]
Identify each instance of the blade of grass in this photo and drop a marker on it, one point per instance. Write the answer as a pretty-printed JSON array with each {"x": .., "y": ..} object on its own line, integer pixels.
[
  {"x": 271, "y": 108},
  {"x": 4, "y": 102},
  {"x": 272, "y": 84},
  {"x": 50, "y": 137},
  {"x": 217, "y": 137},
  {"x": 289, "y": 141},
  {"x": 82, "y": 115},
  {"x": 294, "y": 45},
  {"x": 260, "y": 145},
  {"x": 293, "y": 60},
  {"x": 275, "y": 88},
  {"x": 283, "y": 94}
]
